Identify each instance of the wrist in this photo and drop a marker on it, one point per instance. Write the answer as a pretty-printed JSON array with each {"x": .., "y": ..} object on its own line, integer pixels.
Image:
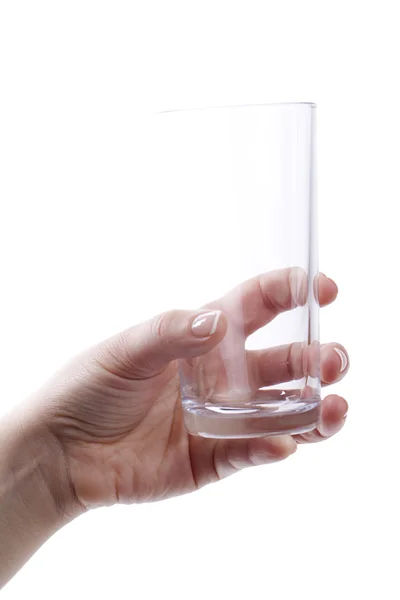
[
  {"x": 35, "y": 496},
  {"x": 34, "y": 468}
]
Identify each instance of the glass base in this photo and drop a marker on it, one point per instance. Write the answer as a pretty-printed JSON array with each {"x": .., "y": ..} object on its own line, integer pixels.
[{"x": 255, "y": 419}]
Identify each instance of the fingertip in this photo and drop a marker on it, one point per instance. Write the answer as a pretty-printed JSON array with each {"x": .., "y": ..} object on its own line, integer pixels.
[
  {"x": 333, "y": 414},
  {"x": 327, "y": 290},
  {"x": 334, "y": 362},
  {"x": 203, "y": 331},
  {"x": 209, "y": 323},
  {"x": 343, "y": 357},
  {"x": 342, "y": 407}
]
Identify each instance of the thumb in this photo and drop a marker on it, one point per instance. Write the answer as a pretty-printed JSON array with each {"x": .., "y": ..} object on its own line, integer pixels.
[{"x": 146, "y": 349}]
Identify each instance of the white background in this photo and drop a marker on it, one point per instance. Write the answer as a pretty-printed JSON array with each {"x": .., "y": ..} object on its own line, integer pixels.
[{"x": 78, "y": 81}]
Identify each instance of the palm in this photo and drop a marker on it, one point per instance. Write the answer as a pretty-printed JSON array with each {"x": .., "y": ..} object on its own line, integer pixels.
[{"x": 130, "y": 451}]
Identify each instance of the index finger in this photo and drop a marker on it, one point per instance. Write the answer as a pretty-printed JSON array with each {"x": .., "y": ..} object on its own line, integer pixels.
[{"x": 260, "y": 299}]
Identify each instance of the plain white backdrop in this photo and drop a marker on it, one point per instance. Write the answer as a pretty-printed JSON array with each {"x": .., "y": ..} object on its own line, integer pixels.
[{"x": 79, "y": 81}]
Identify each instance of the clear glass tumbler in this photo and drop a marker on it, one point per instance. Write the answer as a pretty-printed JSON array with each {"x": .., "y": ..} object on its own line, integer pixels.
[{"x": 240, "y": 187}]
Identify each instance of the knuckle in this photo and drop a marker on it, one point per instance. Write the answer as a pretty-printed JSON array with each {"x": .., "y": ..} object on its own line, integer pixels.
[
  {"x": 166, "y": 323},
  {"x": 163, "y": 331},
  {"x": 161, "y": 325},
  {"x": 114, "y": 356}
]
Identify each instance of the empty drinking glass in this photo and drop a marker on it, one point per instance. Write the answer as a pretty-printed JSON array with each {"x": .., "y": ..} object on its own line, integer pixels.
[{"x": 239, "y": 190}]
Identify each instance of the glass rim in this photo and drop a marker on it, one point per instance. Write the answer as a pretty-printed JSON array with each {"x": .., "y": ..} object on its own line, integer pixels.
[{"x": 237, "y": 106}]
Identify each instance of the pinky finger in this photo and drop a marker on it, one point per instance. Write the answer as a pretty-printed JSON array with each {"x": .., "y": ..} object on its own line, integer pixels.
[{"x": 333, "y": 415}]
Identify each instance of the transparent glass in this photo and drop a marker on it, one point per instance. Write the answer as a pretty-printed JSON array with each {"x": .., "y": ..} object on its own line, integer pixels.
[{"x": 247, "y": 238}]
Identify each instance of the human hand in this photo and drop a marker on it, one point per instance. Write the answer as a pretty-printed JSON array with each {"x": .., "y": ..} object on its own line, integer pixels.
[{"x": 115, "y": 411}]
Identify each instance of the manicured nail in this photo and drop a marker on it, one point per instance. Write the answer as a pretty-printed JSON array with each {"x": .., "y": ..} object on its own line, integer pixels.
[
  {"x": 205, "y": 324},
  {"x": 346, "y": 412},
  {"x": 343, "y": 359}
]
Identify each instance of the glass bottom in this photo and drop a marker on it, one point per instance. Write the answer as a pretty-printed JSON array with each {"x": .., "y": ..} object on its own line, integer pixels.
[{"x": 257, "y": 418}]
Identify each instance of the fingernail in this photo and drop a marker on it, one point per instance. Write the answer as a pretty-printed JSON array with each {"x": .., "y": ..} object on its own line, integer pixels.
[
  {"x": 205, "y": 324},
  {"x": 343, "y": 359},
  {"x": 346, "y": 410}
]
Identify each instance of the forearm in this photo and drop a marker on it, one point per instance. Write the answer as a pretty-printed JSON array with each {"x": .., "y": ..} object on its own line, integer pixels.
[{"x": 30, "y": 510}]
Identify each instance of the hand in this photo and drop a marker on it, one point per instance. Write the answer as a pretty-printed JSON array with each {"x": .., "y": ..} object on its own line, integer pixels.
[{"x": 115, "y": 411}]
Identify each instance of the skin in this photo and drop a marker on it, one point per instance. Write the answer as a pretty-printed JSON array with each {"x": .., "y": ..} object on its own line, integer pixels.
[{"x": 108, "y": 427}]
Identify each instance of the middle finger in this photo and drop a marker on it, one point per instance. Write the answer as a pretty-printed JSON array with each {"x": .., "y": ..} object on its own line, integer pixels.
[{"x": 295, "y": 361}]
